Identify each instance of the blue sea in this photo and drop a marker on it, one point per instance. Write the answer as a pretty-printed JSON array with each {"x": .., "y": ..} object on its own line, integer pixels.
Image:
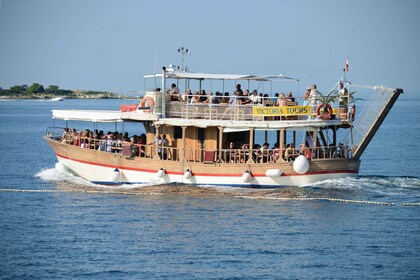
[{"x": 54, "y": 225}]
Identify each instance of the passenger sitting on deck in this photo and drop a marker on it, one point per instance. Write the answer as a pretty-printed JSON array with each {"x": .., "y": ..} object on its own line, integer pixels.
[
  {"x": 217, "y": 98},
  {"x": 209, "y": 99},
  {"x": 305, "y": 150},
  {"x": 232, "y": 99},
  {"x": 142, "y": 145},
  {"x": 64, "y": 137},
  {"x": 254, "y": 97},
  {"x": 202, "y": 95},
  {"x": 281, "y": 101},
  {"x": 266, "y": 100},
  {"x": 290, "y": 154},
  {"x": 260, "y": 98},
  {"x": 290, "y": 97},
  {"x": 226, "y": 98},
  {"x": 186, "y": 96},
  {"x": 246, "y": 97},
  {"x": 276, "y": 152},
  {"x": 125, "y": 137},
  {"x": 195, "y": 98},
  {"x": 265, "y": 153},
  {"x": 174, "y": 92}
]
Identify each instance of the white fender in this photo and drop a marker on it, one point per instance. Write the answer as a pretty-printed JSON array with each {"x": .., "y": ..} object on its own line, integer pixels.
[
  {"x": 273, "y": 172},
  {"x": 187, "y": 174},
  {"x": 301, "y": 165},
  {"x": 160, "y": 173},
  {"x": 115, "y": 176},
  {"x": 247, "y": 176}
]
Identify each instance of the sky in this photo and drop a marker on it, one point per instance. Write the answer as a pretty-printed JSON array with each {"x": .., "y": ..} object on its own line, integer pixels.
[{"x": 111, "y": 44}]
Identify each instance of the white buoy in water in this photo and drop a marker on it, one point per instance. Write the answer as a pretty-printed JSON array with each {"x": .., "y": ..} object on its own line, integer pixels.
[
  {"x": 187, "y": 174},
  {"x": 115, "y": 176},
  {"x": 160, "y": 173},
  {"x": 247, "y": 176},
  {"x": 273, "y": 172},
  {"x": 301, "y": 165}
]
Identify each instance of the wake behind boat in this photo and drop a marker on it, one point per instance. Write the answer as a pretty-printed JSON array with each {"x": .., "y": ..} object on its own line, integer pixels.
[{"x": 203, "y": 138}]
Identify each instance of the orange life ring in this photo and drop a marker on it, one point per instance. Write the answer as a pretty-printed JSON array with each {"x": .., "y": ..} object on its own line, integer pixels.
[
  {"x": 147, "y": 102},
  {"x": 326, "y": 111},
  {"x": 353, "y": 112}
]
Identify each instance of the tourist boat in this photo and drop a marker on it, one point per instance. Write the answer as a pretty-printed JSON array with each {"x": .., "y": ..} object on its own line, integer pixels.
[{"x": 215, "y": 143}]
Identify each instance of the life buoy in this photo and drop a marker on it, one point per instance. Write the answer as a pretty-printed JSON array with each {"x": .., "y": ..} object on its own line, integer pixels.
[
  {"x": 128, "y": 108},
  {"x": 326, "y": 112},
  {"x": 147, "y": 102},
  {"x": 353, "y": 112}
]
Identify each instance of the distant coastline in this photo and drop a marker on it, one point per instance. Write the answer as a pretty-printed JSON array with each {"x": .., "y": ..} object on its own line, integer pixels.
[{"x": 37, "y": 91}]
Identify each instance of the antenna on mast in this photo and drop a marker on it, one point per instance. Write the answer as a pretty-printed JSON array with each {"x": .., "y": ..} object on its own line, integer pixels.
[{"x": 183, "y": 52}]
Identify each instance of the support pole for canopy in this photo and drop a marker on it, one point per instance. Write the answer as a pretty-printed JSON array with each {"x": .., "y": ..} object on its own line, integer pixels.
[
  {"x": 220, "y": 142},
  {"x": 184, "y": 128},
  {"x": 164, "y": 91},
  {"x": 281, "y": 140},
  {"x": 251, "y": 143}
]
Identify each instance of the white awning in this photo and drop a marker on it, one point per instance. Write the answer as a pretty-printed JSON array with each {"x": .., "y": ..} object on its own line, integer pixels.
[
  {"x": 198, "y": 76},
  {"x": 102, "y": 116},
  {"x": 203, "y": 76},
  {"x": 87, "y": 115}
]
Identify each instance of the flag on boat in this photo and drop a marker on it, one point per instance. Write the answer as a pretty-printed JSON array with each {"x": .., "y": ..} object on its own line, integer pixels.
[{"x": 347, "y": 64}]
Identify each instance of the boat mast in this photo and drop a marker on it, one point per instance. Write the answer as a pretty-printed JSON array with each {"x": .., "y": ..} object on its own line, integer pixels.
[{"x": 183, "y": 52}]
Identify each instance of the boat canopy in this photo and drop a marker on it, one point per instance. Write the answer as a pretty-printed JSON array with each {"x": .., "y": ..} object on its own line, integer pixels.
[
  {"x": 204, "y": 76},
  {"x": 101, "y": 116},
  {"x": 87, "y": 115}
]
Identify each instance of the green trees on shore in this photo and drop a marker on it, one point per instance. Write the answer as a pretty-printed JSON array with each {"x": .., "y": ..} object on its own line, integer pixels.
[{"x": 37, "y": 90}]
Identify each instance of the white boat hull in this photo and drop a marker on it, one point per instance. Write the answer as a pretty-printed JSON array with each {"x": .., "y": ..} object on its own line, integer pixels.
[{"x": 110, "y": 175}]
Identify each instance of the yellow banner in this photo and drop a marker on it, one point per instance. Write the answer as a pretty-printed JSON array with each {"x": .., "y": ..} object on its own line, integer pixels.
[{"x": 282, "y": 111}]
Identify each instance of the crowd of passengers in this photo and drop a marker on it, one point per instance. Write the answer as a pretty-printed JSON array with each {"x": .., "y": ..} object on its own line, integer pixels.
[
  {"x": 114, "y": 141},
  {"x": 98, "y": 140},
  {"x": 239, "y": 97},
  {"x": 264, "y": 154}
]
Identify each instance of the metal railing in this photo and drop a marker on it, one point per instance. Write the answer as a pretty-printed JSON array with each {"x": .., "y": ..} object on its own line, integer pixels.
[
  {"x": 233, "y": 156},
  {"x": 240, "y": 110}
]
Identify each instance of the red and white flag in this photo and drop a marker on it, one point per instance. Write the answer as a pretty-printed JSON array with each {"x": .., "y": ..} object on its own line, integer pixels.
[{"x": 347, "y": 64}]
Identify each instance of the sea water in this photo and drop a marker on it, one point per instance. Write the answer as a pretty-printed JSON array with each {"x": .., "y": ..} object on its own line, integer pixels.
[{"x": 55, "y": 225}]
